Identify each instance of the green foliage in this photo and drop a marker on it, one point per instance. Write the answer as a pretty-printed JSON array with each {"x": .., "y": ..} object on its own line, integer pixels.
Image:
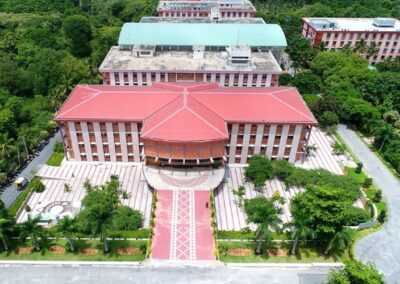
[
  {"x": 125, "y": 219},
  {"x": 359, "y": 168},
  {"x": 382, "y": 215},
  {"x": 282, "y": 168},
  {"x": 259, "y": 170},
  {"x": 37, "y": 185},
  {"x": 78, "y": 31},
  {"x": 377, "y": 197},
  {"x": 58, "y": 147},
  {"x": 55, "y": 159},
  {"x": 327, "y": 119},
  {"x": 356, "y": 272}
]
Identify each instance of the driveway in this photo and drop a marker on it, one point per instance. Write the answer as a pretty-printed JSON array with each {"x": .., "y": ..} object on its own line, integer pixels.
[
  {"x": 382, "y": 247},
  {"x": 104, "y": 274},
  {"x": 10, "y": 194}
]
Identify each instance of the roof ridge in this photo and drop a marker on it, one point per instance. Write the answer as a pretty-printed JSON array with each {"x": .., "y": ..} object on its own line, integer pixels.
[
  {"x": 91, "y": 96},
  {"x": 206, "y": 107},
  {"x": 205, "y": 121},
  {"x": 290, "y": 106}
]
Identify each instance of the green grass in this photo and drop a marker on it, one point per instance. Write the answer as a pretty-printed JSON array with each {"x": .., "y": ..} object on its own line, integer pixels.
[
  {"x": 45, "y": 254},
  {"x": 20, "y": 199},
  {"x": 381, "y": 205},
  {"x": 306, "y": 254},
  {"x": 132, "y": 234},
  {"x": 360, "y": 177},
  {"x": 55, "y": 159},
  {"x": 245, "y": 235},
  {"x": 370, "y": 192}
]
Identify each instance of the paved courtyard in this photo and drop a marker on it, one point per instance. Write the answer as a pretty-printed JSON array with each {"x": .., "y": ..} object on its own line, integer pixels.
[
  {"x": 231, "y": 216},
  {"x": 56, "y": 201}
]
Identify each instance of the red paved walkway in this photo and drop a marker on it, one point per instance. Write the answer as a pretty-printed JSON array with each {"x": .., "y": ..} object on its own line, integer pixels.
[{"x": 183, "y": 226}]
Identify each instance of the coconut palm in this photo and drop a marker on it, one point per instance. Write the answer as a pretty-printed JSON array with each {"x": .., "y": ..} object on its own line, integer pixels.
[
  {"x": 300, "y": 230},
  {"x": 382, "y": 135},
  {"x": 360, "y": 47},
  {"x": 31, "y": 228},
  {"x": 311, "y": 149},
  {"x": 340, "y": 240},
  {"x": 372, "y": 50},
  {"x": 6, "y": 145},
  {"x": 6, "y": 227},
  {"x": 23, "y": 139},
  {"x": 66, "y": 227},
  {"x": 262, "y": 212}
]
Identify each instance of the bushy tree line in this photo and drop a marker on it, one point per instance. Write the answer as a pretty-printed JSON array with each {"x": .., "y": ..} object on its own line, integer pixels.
[
  {"x": 322, "y": 212},
  {"x": 46, "y": 48}
]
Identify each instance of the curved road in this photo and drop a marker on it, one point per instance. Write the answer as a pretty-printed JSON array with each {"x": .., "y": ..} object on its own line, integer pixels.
[{"x": 382, "y": 247}]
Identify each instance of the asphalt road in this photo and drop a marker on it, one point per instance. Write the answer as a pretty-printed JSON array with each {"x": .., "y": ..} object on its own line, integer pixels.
[
  {"x": 101, "y": 274},
  {"x": 382, "y": 247},
  {"x": 10, "y": 194}
]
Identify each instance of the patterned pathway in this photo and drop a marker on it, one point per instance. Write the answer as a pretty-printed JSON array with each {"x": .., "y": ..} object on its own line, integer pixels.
[
  {"x": 75, "y": 174},
  {"x": 183, "y": 226}
]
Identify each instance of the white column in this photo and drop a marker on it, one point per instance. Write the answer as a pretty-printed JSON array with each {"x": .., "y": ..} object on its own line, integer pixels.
[
  {"x": 269, "y": 79},
  {"x": 166, "y": 77},
  {"x": 86, "y": 142},
  {"x": 271, "y": 140},
  {"x": 121, "y": 78},
  {"x": 231, "y": 79},
  {"x": 245, "y": 144},
  {"x": 259, "y": 137},
  {"x": 213, "y": 75},
  {"x": 282, "y": 144},
  {"x": 232, "y": 149},
  {"x": 139, "y": 78},
  {"x": 130, "y": 78},
  {"x": 222, "y": 80},
  {"x": 112, "y": 79},
  {"x": 148, "y": 79},
  {"x": 122, "y": 139},
  {"x": 250, "y": 80},
  {"x": 259, "y": 78},
  {"x": 99, "y": 141},
  {"x": 204, "y": 77},
  {"x": 110, "y": 139},
  {"x": 158, "y": 77},
  {"x": 240, "y": 83},
  {"x": 295, "y": 143},
  {"x": 135, "y": 142},
  {"x": 74, "y": 141}
]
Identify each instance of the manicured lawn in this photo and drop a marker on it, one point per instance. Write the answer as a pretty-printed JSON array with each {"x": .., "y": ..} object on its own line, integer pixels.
[
  {"x": 359, "y": 177},
  {"x": 21, "y": 198},
  {"x": 45, "y": 254},
  {"x": 306, "y": 254},
  {"x": 245, "y": 235},
  {"x": 55, "y": 159}
]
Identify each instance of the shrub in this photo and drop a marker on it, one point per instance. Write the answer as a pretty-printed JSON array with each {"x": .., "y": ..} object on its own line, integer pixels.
[
  {"x": 125, "y": 218},
  {"x": 357, "y": 216},
  {"x": 367, "y": 182},
  {"x": 359, "y": 167},
  {"x": 327, "y": 119},
  {"x": 37, "y": 185},
  {"x": 276, "y": 196},
  {"x": 28, "y": 208},
  {"x": 223, "y": 249},
  {"x": 259, "y": 170},
  {"x": 3, "y": 178},
  {"x": 282, "y": 168},
  {"x": 378, "y": 196},
  {"x": 382, "y": 216}
]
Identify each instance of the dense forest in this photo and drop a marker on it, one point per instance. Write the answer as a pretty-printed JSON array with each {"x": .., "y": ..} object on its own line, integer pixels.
[{"x": 46, "y": 47}]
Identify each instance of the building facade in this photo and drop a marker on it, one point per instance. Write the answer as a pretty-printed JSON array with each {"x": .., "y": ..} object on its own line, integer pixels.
[
  {"x": 217, "y": 9},
  {"x": 184, "y": 124},
  {"x": 233, "y": 55},
  {"x": 335, "y": 33}
]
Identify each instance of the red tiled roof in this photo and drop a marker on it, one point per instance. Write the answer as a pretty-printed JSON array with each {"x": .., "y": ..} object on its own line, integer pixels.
[{"x": 185, "y": 111}]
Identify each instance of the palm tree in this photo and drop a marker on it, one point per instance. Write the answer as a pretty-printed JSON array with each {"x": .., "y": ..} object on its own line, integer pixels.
[
  {"x": 31, "y": 228},
  {"x": 300, "y": 230},
  {"x": 360, "y": 47},
  {"x": 6, "y": 145},
  {"x": 22, "y": 138},
  {"x": 340, "y": 240},
  {"x": 383, "y": 134},
  {"x": 262, "y": 212},
  {"x": 311, "y": 149},
  {"x": 66, "y": 227},
  {"x": 6, "y": 227},
  {"x": 372, "y": 50}
]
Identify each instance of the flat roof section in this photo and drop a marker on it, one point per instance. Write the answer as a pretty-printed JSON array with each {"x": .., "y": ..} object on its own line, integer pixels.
[
  {"x": 204, "y": 20},
  {"x": 201, "y": 6},
  {"x": 186, "y": 34},
  {"x": 181, "y": 61},
  {"x": 353, "y": 24}
]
